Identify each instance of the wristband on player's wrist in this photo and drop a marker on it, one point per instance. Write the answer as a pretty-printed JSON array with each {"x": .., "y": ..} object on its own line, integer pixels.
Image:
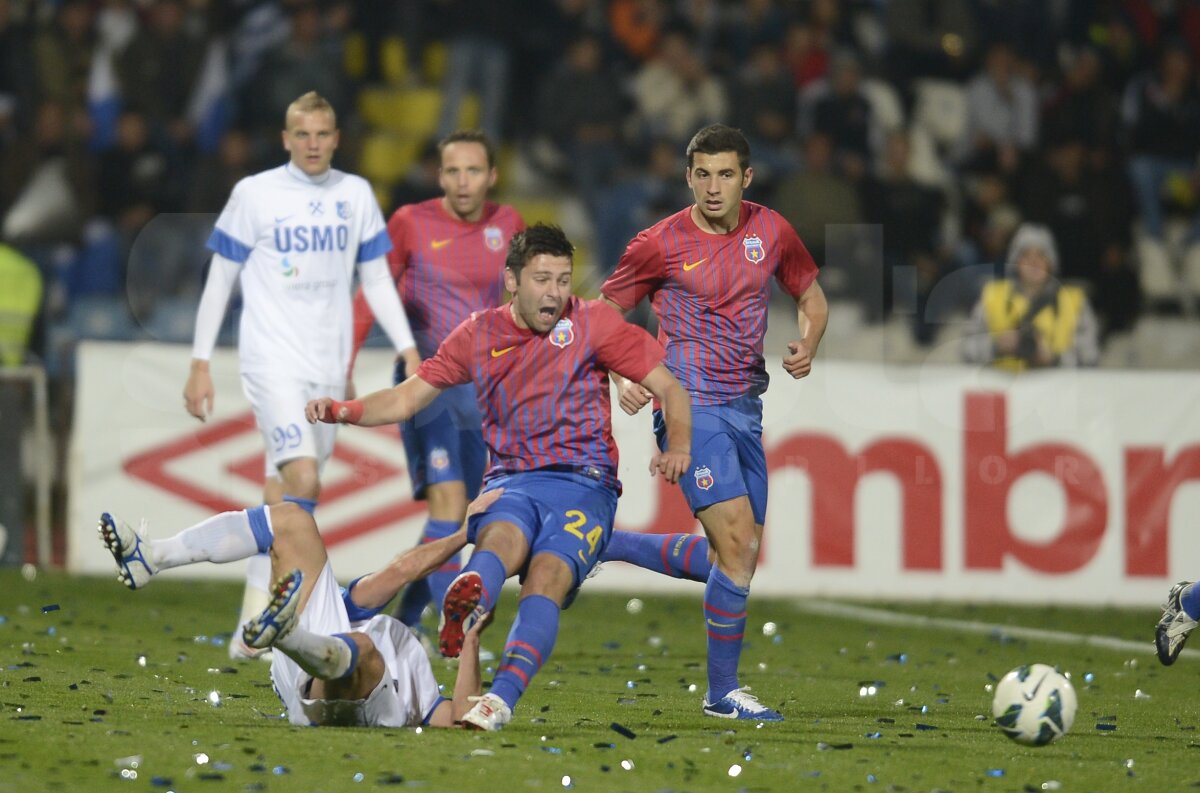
[{"x": 353, "y": 408}]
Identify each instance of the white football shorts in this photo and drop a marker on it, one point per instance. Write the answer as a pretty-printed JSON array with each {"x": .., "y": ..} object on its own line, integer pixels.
[{"x": 278, "y": 404}]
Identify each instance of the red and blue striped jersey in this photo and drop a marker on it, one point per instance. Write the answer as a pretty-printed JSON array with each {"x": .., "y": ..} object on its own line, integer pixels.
[
  {"x": 710, "y": 293},
  {"x": 545, "y": 396},
  {"x": 445, "y": 268}
]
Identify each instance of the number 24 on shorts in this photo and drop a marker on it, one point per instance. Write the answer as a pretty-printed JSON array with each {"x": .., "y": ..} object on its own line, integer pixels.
[{"x": 578, "y": 521}]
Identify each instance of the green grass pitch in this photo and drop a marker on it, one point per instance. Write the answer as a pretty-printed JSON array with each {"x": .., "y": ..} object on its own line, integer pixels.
[{"x": 112, "y": 679}]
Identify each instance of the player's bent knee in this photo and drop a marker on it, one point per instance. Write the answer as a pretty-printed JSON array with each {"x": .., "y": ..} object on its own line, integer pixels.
[
  {"x": 291, "y": 523},
  {"x": 549, "y": 576},
  {"x": 301, "y": 478}
]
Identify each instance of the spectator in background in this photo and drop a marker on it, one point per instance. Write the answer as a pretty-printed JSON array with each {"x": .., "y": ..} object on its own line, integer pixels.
[
  {"x": 158, "y": 72},
  {"x": 1080, "y": 106},
  {"x": 840, "y": 110},
  {"x": 1087, "y": 207},
  {"x": 18, "y": 79},
  {"x": 479, "y": 59},
  {"x": 63, "y": 53},
  {"x": 1162, "y": 122},
  {"x": 1028, "y": 319},
  {"x": 1002, "y": 115},
  {"x": 929, "y": 38},
  {"x": 582, "y": 109},
  {"x": 806, "y": 54},
  {"x": 47, "y": 182},
  {"x": 133, "y": 180},
  {"x": 309, "y": 60},
  {"x": 910, "y": 216},
  {"x": 823, "y": 206},
  {"x": 216, "y": 175},
  {"x": 636, "y": 26},
  {"x": 675, "y": 93},
  {"x": 20, "y": 301},
  {"x": 764, "y": 109}
]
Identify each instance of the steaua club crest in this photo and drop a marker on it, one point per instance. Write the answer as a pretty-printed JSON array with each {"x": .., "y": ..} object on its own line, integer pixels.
[
  {"x": 343, "y": 210},
  {"x": 563, "y": 333},
  {"x": 439, "y": 459},
  {"x": 755, "y": 251},
  {"x": 493, "y": 237},
  {"x": 704, "y": 477}
]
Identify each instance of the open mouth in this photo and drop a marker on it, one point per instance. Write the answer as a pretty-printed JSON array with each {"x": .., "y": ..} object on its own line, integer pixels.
[{"x": 547, "y": 312}]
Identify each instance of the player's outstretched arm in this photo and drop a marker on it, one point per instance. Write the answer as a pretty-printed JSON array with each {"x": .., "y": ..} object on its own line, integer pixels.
[
  {"x": 382, "y": 407},
  {"x": 469, "y": 682},
  {"x": 812, "y": 313},
  {"x": 677, "y": 413},
  {"x": 376, "y": 590}
]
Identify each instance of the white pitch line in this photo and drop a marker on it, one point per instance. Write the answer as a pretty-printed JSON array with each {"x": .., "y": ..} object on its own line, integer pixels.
[{"x": 827, "y": 608}]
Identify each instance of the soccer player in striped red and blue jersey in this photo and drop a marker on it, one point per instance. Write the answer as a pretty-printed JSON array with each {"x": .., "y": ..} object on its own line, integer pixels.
[
  {"x": 447, "y": 260},
  {"x": 540, "y": 364},
  {"x": 708, "y": 272}
]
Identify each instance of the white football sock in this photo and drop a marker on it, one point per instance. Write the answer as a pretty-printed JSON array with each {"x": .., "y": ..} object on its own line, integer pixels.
[
  {"x": 323, "y": 657},
  {"x": 222, "y": 538}
]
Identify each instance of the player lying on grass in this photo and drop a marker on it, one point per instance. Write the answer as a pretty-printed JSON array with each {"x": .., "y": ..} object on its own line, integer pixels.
[{"x": 340, "y": 662}]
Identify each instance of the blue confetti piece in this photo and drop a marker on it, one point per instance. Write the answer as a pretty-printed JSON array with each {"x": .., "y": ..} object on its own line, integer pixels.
[
  {"x": 1089, "y": 677},
  {"x": 997, "y": 772},
  {"x": 873, "y": 735},
  {"x": 552, "y": 749},
  {"x": 872, "y": 778},
  {"x": 280, "y": 770},
  {"x": 622, "y": 730},
  {"x": 667, "y": 738},
  {"x": 161, "y": 781},
  {"x": 358, "y": 777},
  {"x": 3, "y": 619},
  {"x": 778, "y": 639},
  {"x": 1106, "y": 727},
  {"x": 926, "y": 727},
  {"x": 51, "y": 607}
]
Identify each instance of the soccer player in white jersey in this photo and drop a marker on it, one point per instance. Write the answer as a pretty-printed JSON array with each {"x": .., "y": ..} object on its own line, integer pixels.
[
  {"x": 339, "y": 661},
  {"x": 293, "y": 236}
]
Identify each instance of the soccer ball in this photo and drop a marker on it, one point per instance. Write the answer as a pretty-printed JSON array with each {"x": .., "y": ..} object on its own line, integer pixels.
[{"x": 1034, "y": 704}]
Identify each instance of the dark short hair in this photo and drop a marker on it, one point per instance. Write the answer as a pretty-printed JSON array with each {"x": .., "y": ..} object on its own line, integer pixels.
[
  {"x": 537, "y": 239},
  {"x": 470, "y": 136},
  {"x": 717, "y": 138}
]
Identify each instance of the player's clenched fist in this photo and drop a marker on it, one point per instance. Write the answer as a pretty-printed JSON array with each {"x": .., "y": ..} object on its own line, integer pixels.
[
  {"x": 799, "y": 363},
  {"x": 633, "y": 396},
  {"x": 670, "y": 464},
  {"x": 331, "y": 411}
]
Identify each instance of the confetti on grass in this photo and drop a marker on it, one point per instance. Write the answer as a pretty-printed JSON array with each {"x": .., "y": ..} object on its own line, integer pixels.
[{"x": 622, "y": 730}]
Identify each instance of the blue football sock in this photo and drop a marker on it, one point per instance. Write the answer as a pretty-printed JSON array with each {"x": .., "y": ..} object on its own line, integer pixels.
[
  {"x": 676, "y": 555},
  {"x": 309, "y": 505},
  {"x": 418, "y": 594},
  {"x": 529, "y": 645},
  {"x": 1190, "y": 600},
  {"x": 492, "y": 571},
  {"x": 725, "y": 617}
]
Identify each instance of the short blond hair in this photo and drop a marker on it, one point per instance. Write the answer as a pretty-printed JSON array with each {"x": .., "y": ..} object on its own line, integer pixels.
[{"x": 312, "y": 102}]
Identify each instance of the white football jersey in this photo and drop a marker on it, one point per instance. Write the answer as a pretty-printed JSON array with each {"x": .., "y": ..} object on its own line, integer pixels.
[{"x": 299, "y": 240}]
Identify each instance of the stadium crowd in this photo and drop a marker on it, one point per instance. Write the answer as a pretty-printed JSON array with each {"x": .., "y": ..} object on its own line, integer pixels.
[{"x": 906, "y": 140}]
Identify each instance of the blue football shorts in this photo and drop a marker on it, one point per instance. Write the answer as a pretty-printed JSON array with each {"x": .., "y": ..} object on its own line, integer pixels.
[
  {"x": 728, "y": 460},
  {"x": 444, "y": 442},
  {"x": 566, "y": 514}
]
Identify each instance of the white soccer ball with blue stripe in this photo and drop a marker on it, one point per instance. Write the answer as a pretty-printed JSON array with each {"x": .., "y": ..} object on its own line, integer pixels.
[{"x": 1034, "y": 705}]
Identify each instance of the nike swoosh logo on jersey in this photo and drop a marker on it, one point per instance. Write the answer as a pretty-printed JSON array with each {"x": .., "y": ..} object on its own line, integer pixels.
[
  {"x": 497, "y": 353},
  {"x": 437, "y": 245},
  {"x": 693, "y": 265},
  {"x": 280, "y": 220}
]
